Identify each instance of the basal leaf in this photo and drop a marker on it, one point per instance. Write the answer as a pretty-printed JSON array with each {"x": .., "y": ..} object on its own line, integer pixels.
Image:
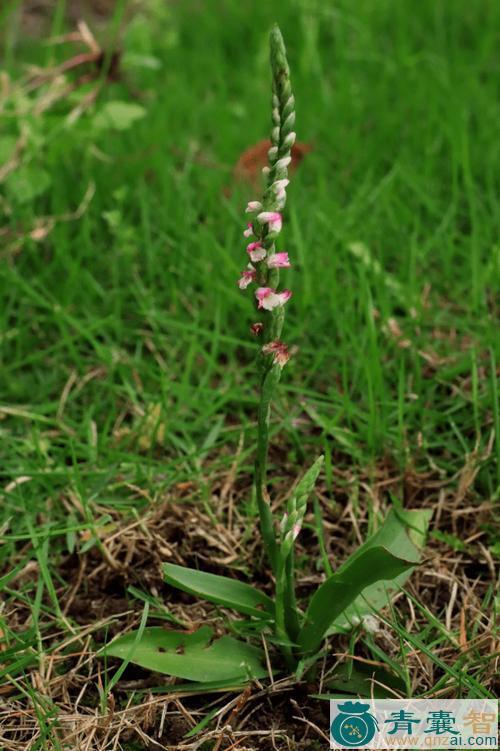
[
  {"x": 192, "y": 656},
  {"x": 198, "y": 687},
  {"x": 367, "y": 578},
  {"x": 220, "y": 589},
  {"x": 342, "y": 588},
  {"x": 402, "y": 532}
]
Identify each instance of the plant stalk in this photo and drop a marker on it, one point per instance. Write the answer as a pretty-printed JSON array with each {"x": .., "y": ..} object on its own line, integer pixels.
[{"x": 269, "y": 380}]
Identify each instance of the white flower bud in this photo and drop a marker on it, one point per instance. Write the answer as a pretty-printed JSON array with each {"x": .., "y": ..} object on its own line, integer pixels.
[
  {"x": 289, "y": 122},
  {"x": 279, "y": 185},
  {"x": 283, "y": 162}
]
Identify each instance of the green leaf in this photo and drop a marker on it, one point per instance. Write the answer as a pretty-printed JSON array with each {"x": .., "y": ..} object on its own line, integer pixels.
[
  {"x": 230, "y": 593},
  {"x": 341, "y": 589},
  {"x": 118, "y": 115},
  {"x": 26, "y": 183},
  {"x": 402, "y": 531},
  {"x": 368, "y": 578},
  {"x": 4, "y": 580},
  {"x": 7, "y": 148},
  {"x": 192, "y": 656},
  {"x": 452, "y": 540},
  {"x": 390, "y": 553},
  {"x": 198, "y": 687},
  {"x": 495, "y": 549},
  {"x": 202, "y": 724}
]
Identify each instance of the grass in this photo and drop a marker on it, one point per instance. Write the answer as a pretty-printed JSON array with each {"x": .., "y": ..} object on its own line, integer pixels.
[{"x": 127, "y": 371}]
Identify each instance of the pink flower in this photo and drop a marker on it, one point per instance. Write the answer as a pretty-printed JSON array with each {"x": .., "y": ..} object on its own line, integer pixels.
[
  {"x": 296, "y": 530},
  {"x": 253, "y": 206},
  {"x": 249, "y": 230},
  {"x": 246, "y": 278},
  {"x": 257, "y": 328},
  {"x": 256, "y": 252},
  {"x": 279, "y": 350},
  {"x": 268, "y": 298},
  {"x": 271, "y": 218},
  {"x": 278, "y": 261}
]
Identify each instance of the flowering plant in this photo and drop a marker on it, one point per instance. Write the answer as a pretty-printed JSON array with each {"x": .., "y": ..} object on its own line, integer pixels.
[{"x": 361, "y": 584}]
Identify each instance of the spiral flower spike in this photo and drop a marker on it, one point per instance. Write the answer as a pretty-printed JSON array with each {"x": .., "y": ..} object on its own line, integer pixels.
[{"x": 264, "y": 270}]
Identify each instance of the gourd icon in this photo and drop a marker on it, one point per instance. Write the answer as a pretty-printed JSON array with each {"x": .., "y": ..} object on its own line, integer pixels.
[{"x": 354, "y": 725}]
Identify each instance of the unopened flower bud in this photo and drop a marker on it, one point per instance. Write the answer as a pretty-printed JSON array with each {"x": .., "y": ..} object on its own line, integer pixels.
[
  {"x": 253, "y": 206},
  {"x": 257, "y": 328}
]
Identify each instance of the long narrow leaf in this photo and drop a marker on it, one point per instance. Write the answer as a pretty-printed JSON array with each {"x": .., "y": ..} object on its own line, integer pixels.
[
  {"x": 230, "y": 593},
  {"x": 341, "y": 589},
  {"x": 403, "y": 534},
  {"x": 193, "y": 657}
]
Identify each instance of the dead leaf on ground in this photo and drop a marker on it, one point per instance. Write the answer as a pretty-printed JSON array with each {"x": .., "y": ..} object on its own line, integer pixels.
[{"x": 248, "y": 168}]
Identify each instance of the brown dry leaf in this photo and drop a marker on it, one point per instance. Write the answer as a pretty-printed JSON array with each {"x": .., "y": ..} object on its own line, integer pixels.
[
  {"x": 394, "y": 330},
  {"x": 15, "y": 483},
  {"x": 185, "y": 487}
]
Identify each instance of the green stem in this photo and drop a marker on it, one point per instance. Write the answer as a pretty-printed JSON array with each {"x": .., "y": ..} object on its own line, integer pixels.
[
  {"x": 270, "y": 376},
  {"x": 269, "y": 381},
  {"x": 290, "y": 602}
]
